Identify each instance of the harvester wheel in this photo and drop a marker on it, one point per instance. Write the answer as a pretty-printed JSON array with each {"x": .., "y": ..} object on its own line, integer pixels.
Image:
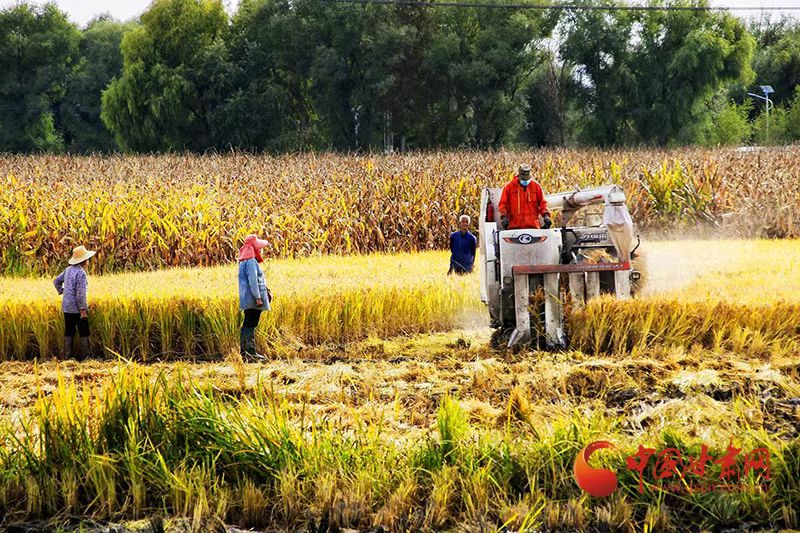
[{"x": 500, "y": 337}]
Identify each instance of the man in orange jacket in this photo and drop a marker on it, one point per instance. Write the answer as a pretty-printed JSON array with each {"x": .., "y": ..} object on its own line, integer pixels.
[{"x": 522, "y": 202}]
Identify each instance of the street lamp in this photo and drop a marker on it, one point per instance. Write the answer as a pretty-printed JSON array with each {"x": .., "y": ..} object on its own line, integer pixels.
[{"x": 767, "y": 90}]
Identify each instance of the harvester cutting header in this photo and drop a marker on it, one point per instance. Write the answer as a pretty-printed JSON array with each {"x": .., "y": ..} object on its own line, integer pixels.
[{"x": 524, "y": 258}]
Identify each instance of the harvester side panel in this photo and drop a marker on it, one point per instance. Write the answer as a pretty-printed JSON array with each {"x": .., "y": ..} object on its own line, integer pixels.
[{"x": 490, "y": 282}]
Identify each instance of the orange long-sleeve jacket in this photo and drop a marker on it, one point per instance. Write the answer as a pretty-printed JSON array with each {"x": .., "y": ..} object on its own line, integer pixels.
[{"x": 522, "y": 205}]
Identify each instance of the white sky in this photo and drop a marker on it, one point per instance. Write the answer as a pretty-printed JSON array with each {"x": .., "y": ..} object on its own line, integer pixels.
[{"x": 81, "y": 11}]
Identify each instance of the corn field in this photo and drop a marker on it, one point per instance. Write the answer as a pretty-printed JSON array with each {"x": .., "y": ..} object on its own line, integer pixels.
[{"x": 146, "y": 212}]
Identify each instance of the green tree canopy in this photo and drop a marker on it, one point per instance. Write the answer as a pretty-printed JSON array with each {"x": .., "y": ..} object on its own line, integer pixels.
[
  {"x": 341, "y": 76},
  {"x": 648, "y": 76},
  {"x": 728, "y": 123},
  {"x": 257, "y": 81},
  {"x": 162, "y": 100},
  {"x": 475, "y": 69},
  {"x": 359, "y": 53},
  {"x": 779, "y": 65},
  {"x": 37, "y": 48},
  {"x": 100, "y": 61},
  {"x": 286, "y": 75},
  {"x": 546, "y": 105}
]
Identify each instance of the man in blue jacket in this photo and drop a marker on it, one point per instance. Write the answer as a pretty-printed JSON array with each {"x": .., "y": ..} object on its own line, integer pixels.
[{"x": 463, "y": 245}]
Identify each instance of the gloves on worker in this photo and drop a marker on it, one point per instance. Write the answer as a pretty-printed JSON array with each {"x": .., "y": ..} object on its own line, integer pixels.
[{"x": 546, "y": 224}]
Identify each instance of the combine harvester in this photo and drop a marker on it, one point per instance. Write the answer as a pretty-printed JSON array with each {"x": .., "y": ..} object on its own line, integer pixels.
[{"x": 521, "y": 281}]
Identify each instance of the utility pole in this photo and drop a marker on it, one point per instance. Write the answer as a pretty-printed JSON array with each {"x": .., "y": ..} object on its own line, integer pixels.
[
  {"x": 388, "y": 138},
  {"x": 767, "y": 90},
  {"x": 356, "y": 123}
]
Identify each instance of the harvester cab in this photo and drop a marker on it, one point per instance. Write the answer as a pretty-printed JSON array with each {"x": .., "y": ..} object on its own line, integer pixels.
[{"x": 523, "y": 277}]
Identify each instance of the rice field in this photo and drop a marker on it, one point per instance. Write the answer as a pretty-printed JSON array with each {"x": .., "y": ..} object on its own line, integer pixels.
[
  {"x": 416, "y": 432},
  {"x": 194, "y": 313},
  {"x": 726, "y": 293}
]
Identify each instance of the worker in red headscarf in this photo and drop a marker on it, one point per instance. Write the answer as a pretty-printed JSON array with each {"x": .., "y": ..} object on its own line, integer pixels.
[
  {"x": 254, "y": 296},
  {"x": 522, "y": 203}
]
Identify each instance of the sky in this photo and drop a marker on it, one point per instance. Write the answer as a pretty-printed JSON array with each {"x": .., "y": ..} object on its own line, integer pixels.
[{"x": 81, "y": 11}]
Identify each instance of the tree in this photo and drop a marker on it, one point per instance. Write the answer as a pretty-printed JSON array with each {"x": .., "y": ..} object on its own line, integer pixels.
[
  {"x": 406, "y": 100},
  {"x": 793, "y": 117},
  {"x": 777, "y": 133},
  {"x": 475, "y": 68},
  {"x": 777, "y": 57},
  {"x": 163, "y": 101},
  {"x": 37, "y": 48},
  {"x": 359, "y": 53},
  {"x": 597, "y": 44},
  {"x": 729, "y": 123},
  {"x": 647, "y": 75},
  {"x": 267, "y": 105},
  {"x": 100, "y": 61},
  {"x": 545, "y": 105}
]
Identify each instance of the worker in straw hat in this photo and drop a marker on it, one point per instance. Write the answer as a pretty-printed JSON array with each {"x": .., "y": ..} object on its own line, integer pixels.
[{"x": 72, "y": 285}]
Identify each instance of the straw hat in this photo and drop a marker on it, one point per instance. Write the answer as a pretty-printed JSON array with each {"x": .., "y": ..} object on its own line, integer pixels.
[{"x": 80, "y": 254}]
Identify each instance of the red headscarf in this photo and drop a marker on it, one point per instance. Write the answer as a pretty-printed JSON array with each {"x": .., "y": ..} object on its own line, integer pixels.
[{"x": 252, "y": 248}]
